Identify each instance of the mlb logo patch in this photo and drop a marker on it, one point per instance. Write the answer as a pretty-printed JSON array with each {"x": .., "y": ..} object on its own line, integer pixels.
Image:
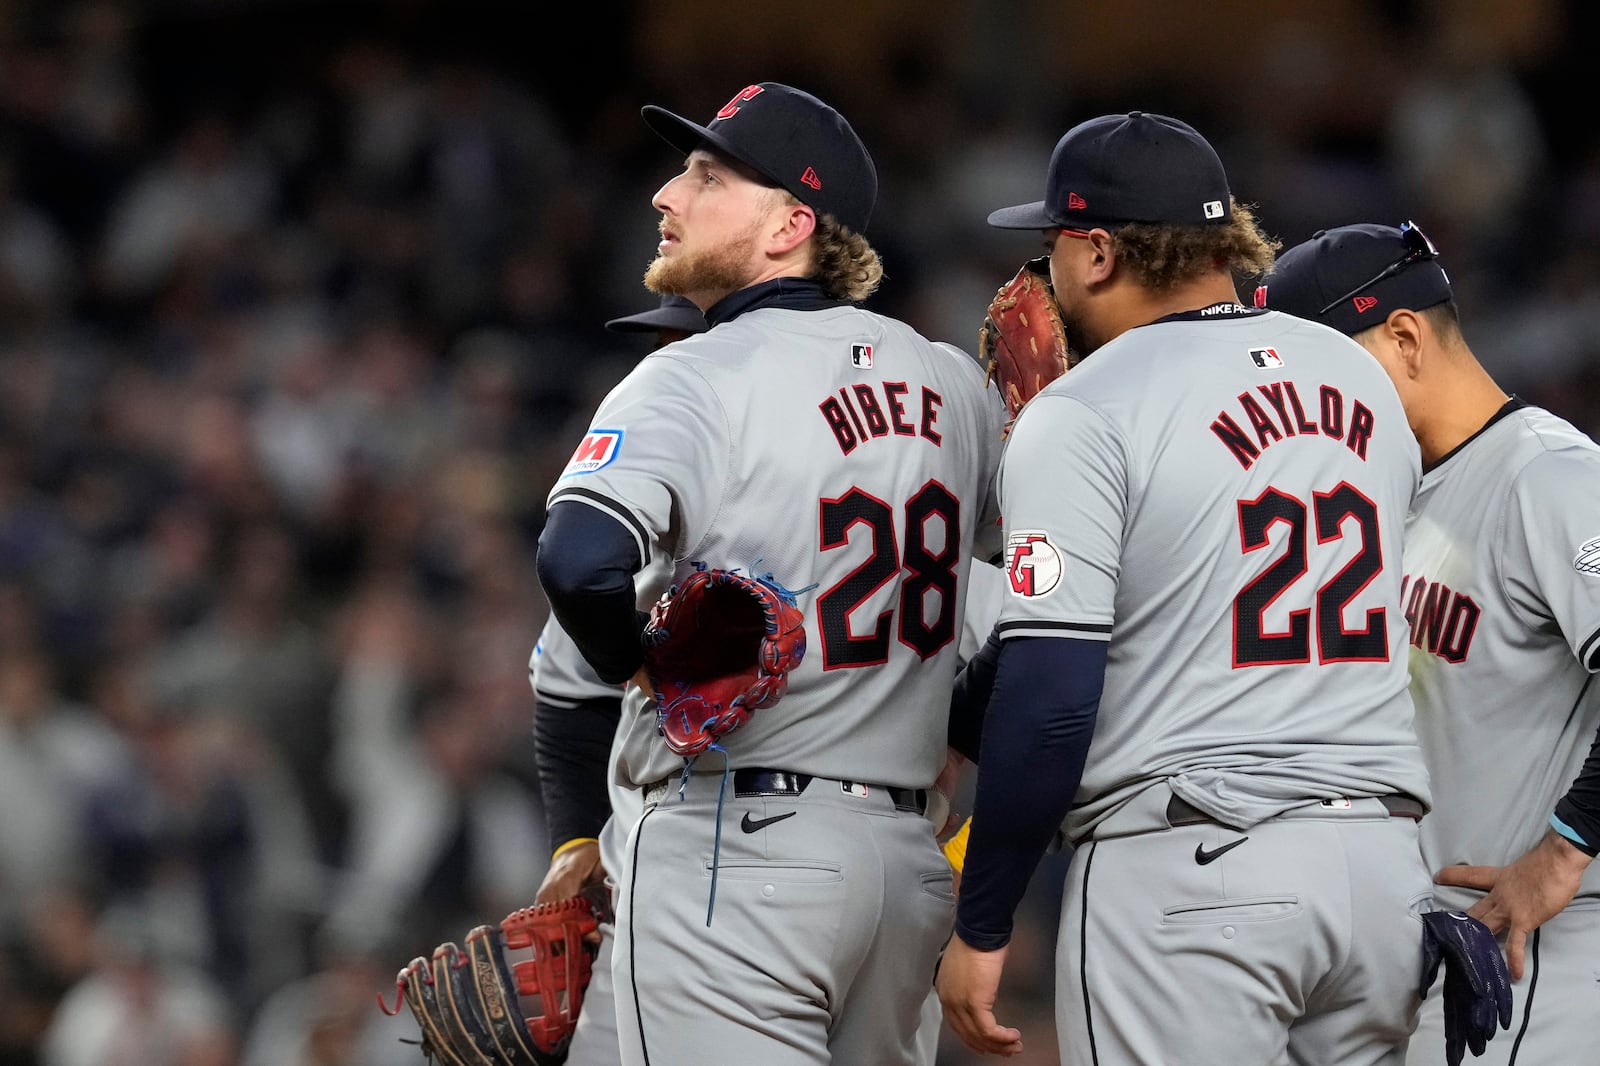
[
  {"x": 1213, "y": 208},
  {"x": 853, "y": 788},
  {"x": 1266, "y": 358},
  {"x": 599, "y": 447},
  {"x": 861, "y": 356}
]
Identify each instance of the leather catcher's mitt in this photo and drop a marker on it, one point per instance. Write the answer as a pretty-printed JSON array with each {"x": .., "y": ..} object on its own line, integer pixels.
[
  {"x": 1022, "y": 344},
  {"x": 469, "y": 1003},
  {"x": 718, "y": 647}
]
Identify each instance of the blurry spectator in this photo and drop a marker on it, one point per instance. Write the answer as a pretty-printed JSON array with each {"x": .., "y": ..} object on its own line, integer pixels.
[
  {"x": 139, "y": 1008},
  {"x": 54, "y": 755},
  {"x": 328, "y": 1018},
  {"x": 212, "y": 188},
  {"x": 256, "y": 656}
]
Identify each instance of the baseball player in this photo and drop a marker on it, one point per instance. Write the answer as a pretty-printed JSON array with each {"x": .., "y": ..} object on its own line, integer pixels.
[
  {"x": 1201, "y": 676},
  {"x": 1502, "y": 593},
  {"x": 575, "y": 735},
  {"x": 852, "y": 460}
]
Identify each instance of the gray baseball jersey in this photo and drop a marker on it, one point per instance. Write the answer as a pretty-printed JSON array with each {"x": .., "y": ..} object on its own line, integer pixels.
[
  {"x": 559, "y": 674},
  {"x": 1224, "y": 502},
  {"x": 1221, "y": 496},
  {"x": 853, "y": 461},
  {"x": 1502, "y": 590},
  {"x": 846, "y": 456}
]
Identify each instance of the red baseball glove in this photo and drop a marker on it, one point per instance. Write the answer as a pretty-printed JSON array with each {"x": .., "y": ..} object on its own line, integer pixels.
[
  {"x": 470, "y": 1003},
  {"x": 718, "y": 647},
  {"x": 1022, "y": 343}
]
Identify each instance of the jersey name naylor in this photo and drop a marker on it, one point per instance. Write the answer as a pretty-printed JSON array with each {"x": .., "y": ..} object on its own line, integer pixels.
[{"x": 1280, "y": 414}]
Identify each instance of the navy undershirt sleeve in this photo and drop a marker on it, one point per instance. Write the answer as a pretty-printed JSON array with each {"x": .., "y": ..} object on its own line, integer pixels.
[
  {"x": 1579, "y": 809},
  {"x": 586, "y": 562},
  {"x": 572, "y": 747},
  {"x": 970, "y": 699},
  {"x": 1035, "y": 743}
]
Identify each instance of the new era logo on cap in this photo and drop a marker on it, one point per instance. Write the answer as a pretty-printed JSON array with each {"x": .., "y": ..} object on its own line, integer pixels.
[
  {"x": 810, "y": 178},
  {"x": 1075, "y": 202},
  {"x": 1364, "y": 304}
]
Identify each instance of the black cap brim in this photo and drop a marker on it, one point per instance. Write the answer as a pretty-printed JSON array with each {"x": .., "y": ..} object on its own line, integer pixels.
[
  {"x": 686, "y": 136},
  {"x": 1023, "y": 216},
  {"x": 684, "y": 319}
]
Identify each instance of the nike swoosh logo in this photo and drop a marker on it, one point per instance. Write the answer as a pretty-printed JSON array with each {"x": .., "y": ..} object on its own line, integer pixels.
[
  {"x": 751, "y": 825},
  {"x": 1202, "y": 856}
]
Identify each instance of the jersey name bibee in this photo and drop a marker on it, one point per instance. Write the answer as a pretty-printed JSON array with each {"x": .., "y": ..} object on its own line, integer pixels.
[
  {"x": 854, "y": 413},
  {"x": 1284, "y": 400}
]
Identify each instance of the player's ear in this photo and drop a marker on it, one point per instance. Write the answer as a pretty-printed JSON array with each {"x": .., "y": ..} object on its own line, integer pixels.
[
  {"x": 1103, "y": 259},
  {"x": 794, "y": 223},
  {"x": 1411, "y": 338}
]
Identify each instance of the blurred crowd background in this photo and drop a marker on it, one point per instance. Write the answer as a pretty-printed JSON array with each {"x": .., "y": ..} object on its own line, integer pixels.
[{"x": 301, "y": 311}]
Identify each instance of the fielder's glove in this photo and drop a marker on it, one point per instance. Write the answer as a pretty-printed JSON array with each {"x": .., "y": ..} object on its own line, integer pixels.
[
  {"x": 1022, "y": 343},
  {"x": 718, "y": 647},
  {"x": 469, "y": 1003},
  {"x": 1477, "y": 984}
]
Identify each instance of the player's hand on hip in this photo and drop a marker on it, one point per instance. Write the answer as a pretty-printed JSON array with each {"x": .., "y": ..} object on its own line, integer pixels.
[
  {"x": 969, "y": 983},
  {"x": 1525, "y": 894}
]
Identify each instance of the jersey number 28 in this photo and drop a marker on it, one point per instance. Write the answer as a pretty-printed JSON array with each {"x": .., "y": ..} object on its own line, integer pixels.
[
  {"x": 926, "y": 571},
  {"x": 1252, "y": 645}
]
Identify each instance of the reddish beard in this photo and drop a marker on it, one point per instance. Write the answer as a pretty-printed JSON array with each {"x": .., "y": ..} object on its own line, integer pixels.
[{"x": 723, "y": 269}]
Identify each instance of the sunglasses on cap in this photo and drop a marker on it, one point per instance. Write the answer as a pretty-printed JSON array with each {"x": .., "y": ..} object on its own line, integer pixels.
[{"x": 1418, "y": 249}]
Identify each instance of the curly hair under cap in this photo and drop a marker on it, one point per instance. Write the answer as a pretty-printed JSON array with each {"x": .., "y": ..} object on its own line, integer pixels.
[
  {"x": 846, "y": 266},
  {"x": 1164, "y": 256}
]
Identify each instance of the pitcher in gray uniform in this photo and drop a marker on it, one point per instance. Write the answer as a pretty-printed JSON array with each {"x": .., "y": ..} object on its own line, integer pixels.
[
  {"x": 1202, "y": 673},
  {"x": 588, "y": 815},
  {"x": 1502, "y": 592},
  {"x": 852, "y": 460}
]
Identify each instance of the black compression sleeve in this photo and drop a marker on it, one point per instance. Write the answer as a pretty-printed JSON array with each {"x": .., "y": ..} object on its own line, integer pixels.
[
  {"x": 586, "y": 564},
  {"x": 1035, "y": 744},
  {"x": 1579, "y": 809},
  {"x": 970, "y": 699},
  {"x": 572, "y": 746}
]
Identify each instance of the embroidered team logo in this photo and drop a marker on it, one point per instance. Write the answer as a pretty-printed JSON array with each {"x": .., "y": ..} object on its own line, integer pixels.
[
  {"x": 1587, "y": 561},
  {"x": 861, "y": 356},
  {"x": 1032, "y": 562},
  {"x": 599, "y": 447},
  {"x": 1266, "y": 358}
]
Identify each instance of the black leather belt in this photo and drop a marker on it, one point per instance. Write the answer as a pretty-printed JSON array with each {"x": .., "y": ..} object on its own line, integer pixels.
[
  {"x": 1181, "y": 812},
  {"x": 755, "y": 781}
]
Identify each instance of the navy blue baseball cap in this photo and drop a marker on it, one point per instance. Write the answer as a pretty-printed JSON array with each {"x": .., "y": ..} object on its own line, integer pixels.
[
  {"x": 675, "y": 313},
  {"x": 790, "y": 138},
  {"x": 1351, "y": 277},
  {"x": 1136, "y": 167}
]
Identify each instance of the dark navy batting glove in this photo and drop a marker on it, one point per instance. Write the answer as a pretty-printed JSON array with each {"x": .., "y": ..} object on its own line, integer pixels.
[{"x": 1477, "y": 984}]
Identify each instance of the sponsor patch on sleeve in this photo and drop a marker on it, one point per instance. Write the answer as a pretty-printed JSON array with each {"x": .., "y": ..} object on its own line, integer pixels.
[
  {"x": 1587, "y": 561},
  {"x": 598, "y": 448},
  {"x": 1032, "y": 563}
]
